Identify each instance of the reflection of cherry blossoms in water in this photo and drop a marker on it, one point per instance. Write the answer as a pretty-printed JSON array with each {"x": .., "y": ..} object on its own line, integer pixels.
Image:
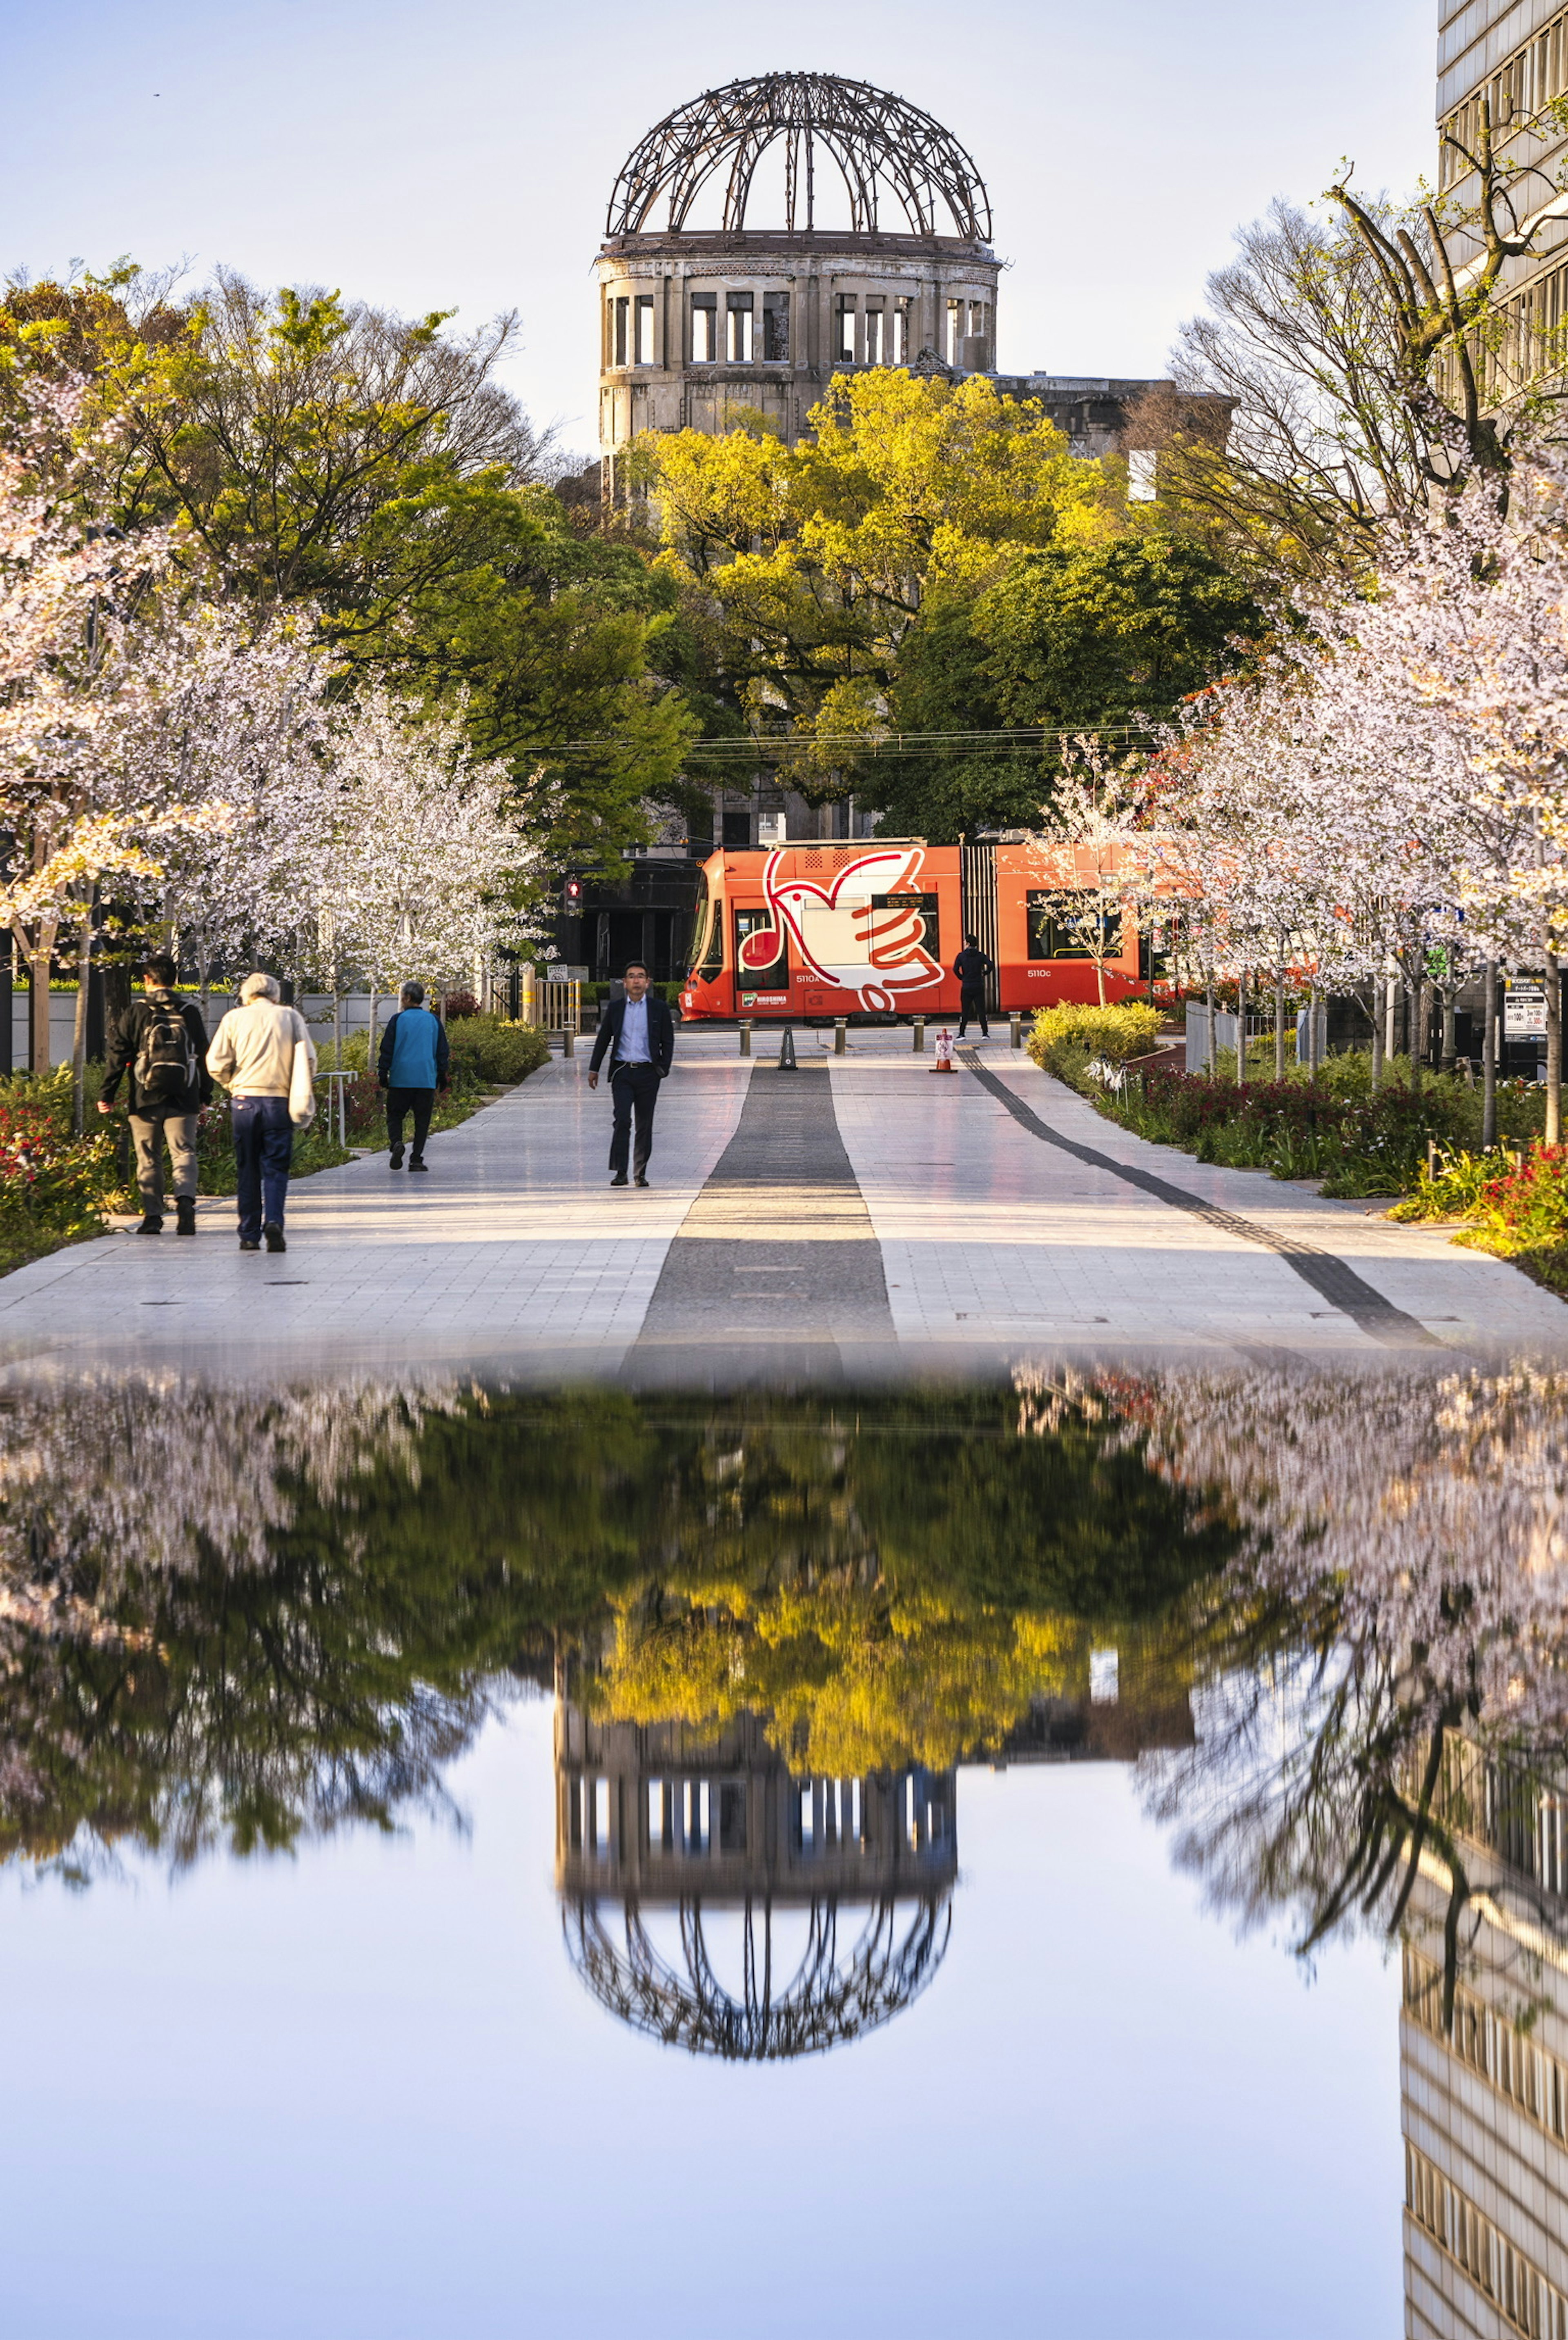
[
  {"x": 1384, "y": 1664},
  {"x": 172, "y": 1670}
]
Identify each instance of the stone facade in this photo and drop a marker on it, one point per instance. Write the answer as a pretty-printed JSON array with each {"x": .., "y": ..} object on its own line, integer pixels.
[{"x": 697, "y": 331}]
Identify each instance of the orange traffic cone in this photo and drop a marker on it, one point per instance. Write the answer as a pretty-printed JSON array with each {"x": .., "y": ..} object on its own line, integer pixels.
[{"x": 944, "y": 1062}]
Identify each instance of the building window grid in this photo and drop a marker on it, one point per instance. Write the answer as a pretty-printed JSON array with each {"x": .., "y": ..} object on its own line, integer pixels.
[
  {"x": 1515, "y": 2287},
  {"x": 1531, "y": 2078},
  {"x": 738, "y": 327},
  {"x": 844, "y": 329},
  {"x": 1521, "y": 86}
]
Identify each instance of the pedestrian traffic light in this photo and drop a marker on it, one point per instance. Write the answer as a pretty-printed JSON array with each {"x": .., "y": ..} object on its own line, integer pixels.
[{"x": 571, "y": 895}]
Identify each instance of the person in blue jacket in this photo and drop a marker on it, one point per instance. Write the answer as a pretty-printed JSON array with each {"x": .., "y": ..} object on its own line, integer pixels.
[{"x": 411, "y": 1067}]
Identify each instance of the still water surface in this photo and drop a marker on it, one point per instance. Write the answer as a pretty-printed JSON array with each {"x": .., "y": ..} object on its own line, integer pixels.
[{"x": 940, "y": 1862}]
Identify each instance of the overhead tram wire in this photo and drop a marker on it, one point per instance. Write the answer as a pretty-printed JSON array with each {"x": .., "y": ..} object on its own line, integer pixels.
[{"x": 859, "y": 743}]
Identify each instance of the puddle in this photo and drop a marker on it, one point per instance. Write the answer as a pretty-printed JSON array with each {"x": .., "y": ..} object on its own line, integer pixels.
[{"x": 1084, "y": 1853}]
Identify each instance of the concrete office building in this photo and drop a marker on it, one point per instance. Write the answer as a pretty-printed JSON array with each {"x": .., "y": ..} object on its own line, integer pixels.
[
  {"x": 1484, "y": 2103},
  {"x": 1514, "y": 57}
]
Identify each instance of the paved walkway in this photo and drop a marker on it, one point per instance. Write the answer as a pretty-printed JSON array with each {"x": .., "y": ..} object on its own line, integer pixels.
[{"x": 863, "y": 1217}]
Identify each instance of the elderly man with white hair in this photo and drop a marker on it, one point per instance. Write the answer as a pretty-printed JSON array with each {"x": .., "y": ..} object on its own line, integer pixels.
[{"x": 263, "y": 1055}]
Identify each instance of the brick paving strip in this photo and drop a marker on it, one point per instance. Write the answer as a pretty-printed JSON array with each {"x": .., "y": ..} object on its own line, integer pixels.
[
  {"x": 776, "y": 1256},
  {"x": 1332, "y": 1277}
]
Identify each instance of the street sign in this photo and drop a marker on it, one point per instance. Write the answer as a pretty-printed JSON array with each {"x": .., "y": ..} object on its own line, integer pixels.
[
  {"x": 558, "y": 973},
  {"x": 1525, "y": 1011}
]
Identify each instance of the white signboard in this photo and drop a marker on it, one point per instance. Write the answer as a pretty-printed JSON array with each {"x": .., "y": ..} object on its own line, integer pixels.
[
  {"x": 1525, "y": 1011},
  {"x": 557, "y": 973}
]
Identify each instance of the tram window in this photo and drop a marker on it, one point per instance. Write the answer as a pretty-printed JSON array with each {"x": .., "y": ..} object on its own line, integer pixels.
[
  {"x": 926, "y": 906},
  {"x": 1059, "y": 928},
  {"x": 713, "y": 956},
  {"x": 761, "y": 979}
]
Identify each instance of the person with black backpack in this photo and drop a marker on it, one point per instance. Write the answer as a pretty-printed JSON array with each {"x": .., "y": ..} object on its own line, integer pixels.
[{"x": 162, "y": 1043}]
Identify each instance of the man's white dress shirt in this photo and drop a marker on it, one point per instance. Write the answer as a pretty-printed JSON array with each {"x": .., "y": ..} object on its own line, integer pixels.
[{"x": 632, "y": 1048}]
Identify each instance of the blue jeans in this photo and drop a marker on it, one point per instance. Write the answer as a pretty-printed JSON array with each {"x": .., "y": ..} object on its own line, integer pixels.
[{"x": 263, "y": 1147}]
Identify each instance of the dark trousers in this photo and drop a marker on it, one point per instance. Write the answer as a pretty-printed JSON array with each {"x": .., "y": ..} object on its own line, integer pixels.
[
  {"x": 972, "y": 1002},
  {"x": 635, "y": 1089},
  {"x": 421, "y": 1103},
  {"x": 263, "y": 1148}
]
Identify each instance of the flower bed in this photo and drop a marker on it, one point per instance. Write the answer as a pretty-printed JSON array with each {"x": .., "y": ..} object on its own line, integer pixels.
[
  {"x": 1335, "y": 1127},
  {"x": 1517, "y": 1205}
]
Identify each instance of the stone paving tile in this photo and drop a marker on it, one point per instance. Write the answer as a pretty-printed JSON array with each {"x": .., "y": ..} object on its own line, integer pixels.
[
  {"x": 513, "y": 1258},
  {"x": 988, "y": 1233},
  {"x": 513, "y": 1252}
]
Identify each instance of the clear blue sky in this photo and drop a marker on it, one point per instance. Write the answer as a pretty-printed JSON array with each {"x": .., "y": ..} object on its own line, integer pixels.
[{"x": 461, "y": 155}]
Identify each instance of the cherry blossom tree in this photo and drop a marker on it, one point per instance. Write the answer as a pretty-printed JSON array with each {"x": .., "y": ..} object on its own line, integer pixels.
[{"x": 428, "y": 866}]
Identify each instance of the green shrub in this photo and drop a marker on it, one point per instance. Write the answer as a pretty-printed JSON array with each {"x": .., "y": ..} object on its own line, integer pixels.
[
  {"x": 490, "y": 1049},
  {"x": 1114, "y": 1033}
]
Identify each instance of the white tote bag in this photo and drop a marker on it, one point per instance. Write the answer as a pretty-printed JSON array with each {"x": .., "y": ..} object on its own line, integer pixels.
[{"x": 302, "y": 1089}]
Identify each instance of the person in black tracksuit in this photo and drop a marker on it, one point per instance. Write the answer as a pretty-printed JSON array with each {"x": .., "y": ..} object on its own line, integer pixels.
[
  {"x": 166, "y": 1096},
  {"x": 972, "y": 968},
  {"x": 638, "y": 1035}
]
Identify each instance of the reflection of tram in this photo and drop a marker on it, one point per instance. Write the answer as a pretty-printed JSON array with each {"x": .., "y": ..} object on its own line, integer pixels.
[{"x": 871, "y": 926}]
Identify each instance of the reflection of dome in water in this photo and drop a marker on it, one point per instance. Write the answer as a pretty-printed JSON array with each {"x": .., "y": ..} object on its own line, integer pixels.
[
  {"x": 837, "y": 1990},
  {"x": 715, "y": 1900},
  {"x": 879, "y": 144}
]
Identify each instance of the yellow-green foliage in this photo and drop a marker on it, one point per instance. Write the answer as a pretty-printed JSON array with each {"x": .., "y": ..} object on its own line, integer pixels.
[{"x": 1116, "y": 1033}]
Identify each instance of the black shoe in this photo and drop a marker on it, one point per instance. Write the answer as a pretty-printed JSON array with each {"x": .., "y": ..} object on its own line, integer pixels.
[
  {"x": 250, "y": 1242},
  {"x": 151, "y": 1225},
  {"x": 418, "y": 1165},
  {"x": 640, "y": 1180},
  {"x": 620, "y": 1178},
  {"x": 185, "y": 1216},
  {"x": 396, "y": 1161},
  {"x": 275, "y": 1237}
]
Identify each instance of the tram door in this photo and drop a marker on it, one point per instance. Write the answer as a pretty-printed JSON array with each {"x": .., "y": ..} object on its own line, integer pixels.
[
  {"x": 979, "y": 887},
  {"x": 775, "y": 975}
]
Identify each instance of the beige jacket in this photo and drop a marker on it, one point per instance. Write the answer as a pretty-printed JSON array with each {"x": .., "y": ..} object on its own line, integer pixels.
[{"x": 252, "y": 1050}]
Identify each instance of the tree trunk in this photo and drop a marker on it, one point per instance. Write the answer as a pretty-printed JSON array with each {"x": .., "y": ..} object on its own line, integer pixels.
[
  {"x": 1211, "y": 1052},
  {"x": 1414, "y": 992},
  {"x": 41, "y": 957},
  {"x": 1376, "y": 1032},
  {"x": 79, "y": 1037},
  {"x": 1450, "y": 1028},
  {"x": 1279, "y": 1020},
  {"x": 1390, "y": 1013},
  {"x": 1553, "y": 1051},
  {"x": 1489, "y": 1061}
]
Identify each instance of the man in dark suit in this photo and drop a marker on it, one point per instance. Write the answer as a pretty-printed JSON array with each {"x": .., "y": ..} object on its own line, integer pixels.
[
  {"x": 972, "y": 967},
  {"x": 638, "y": 1035}
]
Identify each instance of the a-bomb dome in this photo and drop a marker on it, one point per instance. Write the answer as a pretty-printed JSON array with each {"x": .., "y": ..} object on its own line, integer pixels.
[{"x": 903, "y": 173}]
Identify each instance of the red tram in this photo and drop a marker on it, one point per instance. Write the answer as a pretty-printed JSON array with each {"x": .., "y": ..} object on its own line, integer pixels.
[{"x": 871, "y": 926}]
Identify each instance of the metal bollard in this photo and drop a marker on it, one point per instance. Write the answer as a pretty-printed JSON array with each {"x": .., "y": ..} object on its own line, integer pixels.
[
  {"x": 745, "y": 1036},
  {"x": 1017, "y": 1024},
  {"x": 920, "y": 1035},
  {"x": 840, "y": 1033},
  {"x": 568, "y": 1042}
]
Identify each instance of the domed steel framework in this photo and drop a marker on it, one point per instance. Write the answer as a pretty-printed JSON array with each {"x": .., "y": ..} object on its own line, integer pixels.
[
  {"x": 833, "y": 1995},
  {"x": 880, "y": 145}
]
